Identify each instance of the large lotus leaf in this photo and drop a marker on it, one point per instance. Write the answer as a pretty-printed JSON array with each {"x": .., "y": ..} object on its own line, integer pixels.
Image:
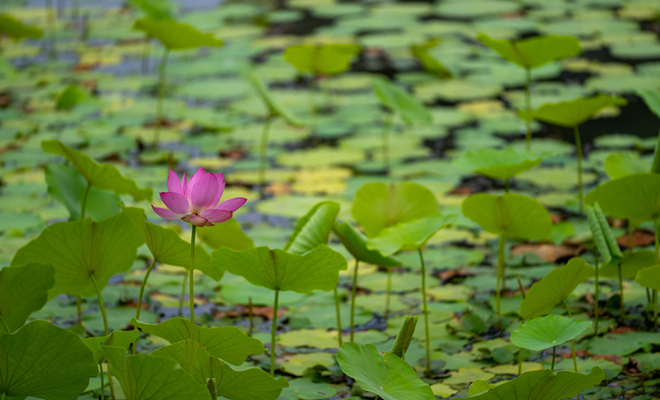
[
  {"x": 605, "y": 241},
  {"x": 386, "y": 375},
  {"x": 121, "y": 339},
  {"x": 513, "y": 215},
  {"x": 226, "y": 342},
  {"x": 635, "y": 197},
  {"x": 534, "y": 51},
  {"x": 378, "y": 205},
  {"x": 43, "y": 361},
  {"x": 67, "y": 186},
  {"x": 167, "y": 247},
  {"x": 23, "y": 290},
  {"x": 557, "y": 285},
  {"x": 279, "y": 270},
  {"x": 157, "y": 9},
  {"x": 544, "y": 385},
  {"x": 497, "y": 164},
  {"x": 575, "y": 112},
  {"x": 17, "y": 30},
  {"x": 147, "y": 377},
  {"x": 428, "y": 61},
  {"x": 649, "y": 277},
  {"x": 174, "y": 35},
  {"x": 632, "y": 263},
  {"x": 313, "y": 228},
  {"x": 70, "y": 97},
  {"x": 618, "y": 165},
  {"x": 81, "y": 249},
  {"x": 652, "y": 100},
  {"x": 329, "y": 59},
  {"x": 248, "y": 384},
  {"x": 275, "y": 108},
  {"x": 401, "y": 102},
  {"x": 545, "y": 332},
  {"x": 411, "y": 235},
  {"x": 102, "y": 176},
  {"x": 356, "y": 244},
  {"x": 228, "y": 233}
]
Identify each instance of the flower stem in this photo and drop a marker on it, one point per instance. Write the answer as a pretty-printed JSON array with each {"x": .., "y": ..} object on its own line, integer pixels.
[
  {"x": 105, "y": 326},
  {"x": 554, "y": 353},
  {"x": 353, "y": 293},
  {"x": 50, "y": 19},
  {"x": 520, "y": 354},
  {"x": 183, "y": 293},
  {"x": 426, "y": 315},
  {"x": 386, "y": 143},
  {"x": 273, "y": 333},
  {"x": 528, "y": 108},
  {"x": 192, "y": 297},
  {"x": 578, "y": 149},
  {"x": 262, "y": 156},
  {"x": 139, "y": 302},
  {"x": 568, "y": 309},
  {"x": 622, "y": 306},
  {"x": 338, "y": 311},
  {"x": 597, "y": 290},
  {"x": 161, "y": 93},
  {"x": 388, "y": 294},
  {"x": 500, "y": 267}
]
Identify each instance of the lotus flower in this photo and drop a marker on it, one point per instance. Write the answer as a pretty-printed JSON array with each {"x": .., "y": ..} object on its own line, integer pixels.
[{"x": 196, "y": 201}]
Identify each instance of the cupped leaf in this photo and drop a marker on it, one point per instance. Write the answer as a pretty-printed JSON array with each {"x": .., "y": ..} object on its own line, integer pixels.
[
  {"x": 275, "y": 108},
  {"x": 512, "y": 215},
  {"x": 545, "y": 332},
  {"x": 167, "y": 247},
  {"x": 411, "y": 235},
  {"x": 174, "y": 35},
  {"x": 67, "y": 186},
  {"x": 279, "y": 270},
  {"x": 497, "y": 164},
  {"x": 43, "y": 361},
  {"x": 401, "y": 102},
  {"x": 557, "y": 285},
  {"x": 478, "y": 387},
  {"x": 635, "y": 197},
  {"x": 649, "y": 277},
  {"x": 430, "y": 63},
  {"x": 228, "y": 233},
  {"x": 313, "y": 228},
  {"x": 102, "y": 176},
  {"x": 23, "y": 290},
  {"x": 70, "y": 97},
  {"x": 226, "y": 342},
  {"x": 618, "y": 165},
  {"x": 157, "y": 9},
  {"x": 121, "y": 339},
  {"x": 575, "y": 112},
  {"x": 81, "y": 250},
  {"x": 632, "y": 263},
  {"x": 544, "y": 385},
  {"x": 17, "y": 30},
  {"x": 534, "y": 51},
  {"x": 378, "y": 205},
  {"x": 328, "y": 59},
  {"x": 147, "y": 377},
  {"x": 605, "y": 241},
  {"x": 356, "y": 244},
  {"x": 386, "y": 375},
  {"x": 405, "y": 336}
]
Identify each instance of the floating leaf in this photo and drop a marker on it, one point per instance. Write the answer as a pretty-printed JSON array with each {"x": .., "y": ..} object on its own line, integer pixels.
[
  {"x": 387, "y": 375},
  {"x": 430, "y": 64},
  {"x": 275, "y": 108},
  {"x": 43, "y": 361},
  {"x": 17, "y": 30},
  {"x": 156, "y": 9},
  {"x": 313, "y": 228},
  {"x": 411, "y": 235},
  {"x": 23, "y": 290},
  {"x": 557, "y": 285},
  {"x": 101, "y": 249},
  {"x": 534, "y": 51},
  {"x": 174, "y": 35},
  {"x": 575, "y": 112},
  {"x": 497, "y": 164},
  {"x": 545, "y": 332},
  {"x": 649, "y": 277},
  {"x": 616, "y": 197},
  {"x": 329, "y": 59},
  {"x": 605, "y": 241},
  {"x": 618, "y": 165},
  {"x": 401, "y": 102},
  {"x": 102, "y": 176},
  {"x": 356, "y": 244},
  {"x": 228, "y": 233}
]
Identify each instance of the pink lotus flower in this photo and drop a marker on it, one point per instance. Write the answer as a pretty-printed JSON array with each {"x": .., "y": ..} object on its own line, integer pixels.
[{"x": 196, "y": 201}]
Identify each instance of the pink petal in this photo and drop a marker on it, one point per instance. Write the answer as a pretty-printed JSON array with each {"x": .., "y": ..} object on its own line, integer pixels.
[
  {"x": 204, "y": 193},
  {"x": 165, "y": 213},
  {"x": 217, "y": 216},
  {"x": 196, "y": 177},
  {"x": 197, "y": 220},
  {"x": 184, "y": 185},
  {"x": 232, "y": 204},
  {"x": 173, "y": 183},
  {"x": 175, "y": 202}
]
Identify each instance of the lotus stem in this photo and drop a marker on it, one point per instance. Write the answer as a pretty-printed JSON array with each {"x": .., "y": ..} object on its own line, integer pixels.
[
  {"x": 79, "y": 309},
  {"x": 312, "y": 105},
  {"x": 388, "y": 293},
  {"x": 568, "y": 309},
  {"x": 386, "y": 142},
  {"x": 192, "y": 298},
  {"x": 554, "y": 353},
  {"x": 50, "y": 20},
  {"x": 146, "y": 49},
  {"x": 338, "y": 311},
  {"x": 250, "y": 316},
  {"x": 500, "y": 267},
  {"x": 622, "y": 306},
  {"x": 105, "y": 326},
  {"x": 597, "y": 290},
  {"x": 139, "y": 302},
  {"x": 273, "y": 333},
  {"x": 578, "y": 149},
  {"x": 426, "y": 315},
  {"x": 161, "y": 94},
  {"x": 262, "y": 156},
  {"x": 528, "y": 108},
  {"x": 102, "y": 383},
  {"x": 183, "y": 293},
  {"x": 520, "y": 360},
  {"x": 506, "y": 185},
  {"x": 353, "y": 294}
]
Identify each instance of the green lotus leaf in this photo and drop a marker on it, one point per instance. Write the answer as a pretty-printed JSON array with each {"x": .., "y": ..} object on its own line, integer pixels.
[
  {"x": 43, "y": 361},
  {"x": 497, "y": 164},
  {"x": 101, "y": 249},
  {"x": 17, "y": 30},
  {"x": 7, "y": 70},
  {"x": 386, "y": 375},
  {"x": 557, "y": 285},
  {"x": 401, "y": 102},
  {"x": 279, "y": 270},
  {"x": 313, "y": 228},
  {"x": 649, "y": 277},
  {"x": 71, "y": 97},
  {"x": 616, "y": 197},
  {"x": 548, "y": 331},
  {"x": 652, "y": 100},
  {"x": 405, "y": 336},
  {"x": 23, "y": 290},
  {"x": 429, "y": 63},
  {"x": 226, "y": 342},
  {"x": 632, "y": 263},
  {"x": 512, "y": 215},
  {"x": 534, "y": 51},
  {"x": 605, "y": 241},
  {"x": 356, "y": 244},
  {"x": 174, "y": 35},
  {"x": 121, "y": 339},
  {"x": 411, "y": 235},
  {"x": 228, "y": 233},
  {"x": 575, "y": 112},
  {"x": 328, "y": 59},
  {"x": 478, "y": 387},
  {"x": 275, "y": 108},
  {"x": 378, "y": 205},
  {"x": 101, "y": 176},
  {"x": 618, "y": 165},
  {"x": 156, "y": 9}
]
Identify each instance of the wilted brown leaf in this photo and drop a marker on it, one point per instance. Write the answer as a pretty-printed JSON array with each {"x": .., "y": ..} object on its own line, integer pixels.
[{"x": 548, "y": 252}]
